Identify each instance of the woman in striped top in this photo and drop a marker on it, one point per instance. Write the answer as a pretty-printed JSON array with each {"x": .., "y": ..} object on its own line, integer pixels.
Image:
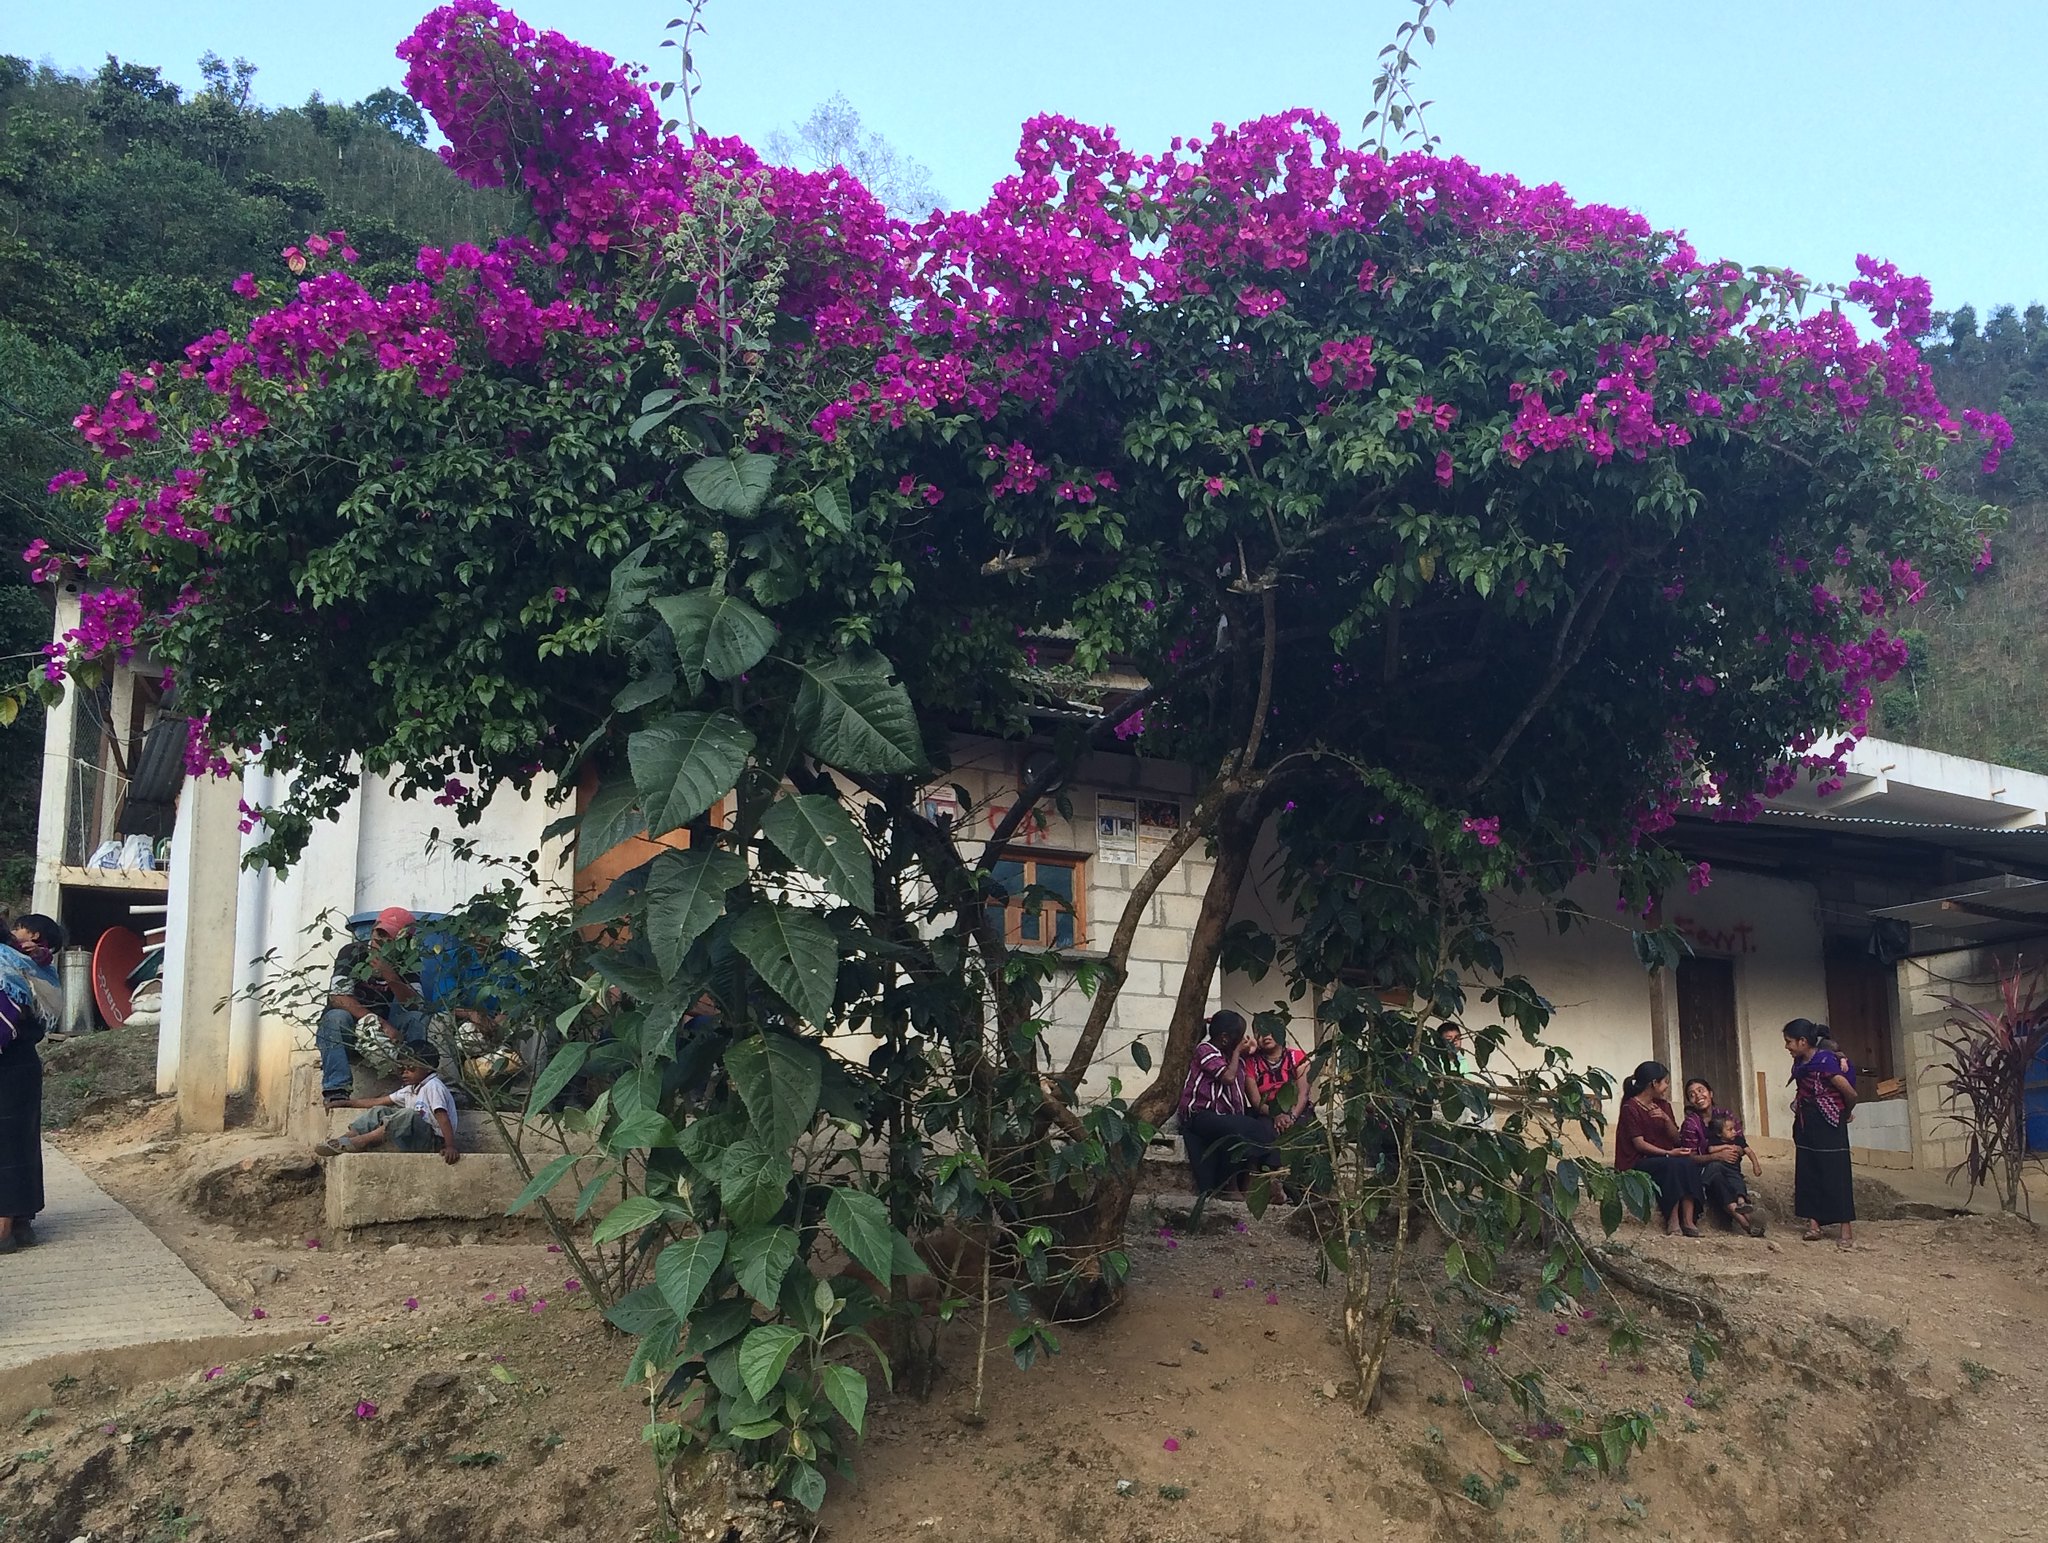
[{"x": 1224, "y": 1142}]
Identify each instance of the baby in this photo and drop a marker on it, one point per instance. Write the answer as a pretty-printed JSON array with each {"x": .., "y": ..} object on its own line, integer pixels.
[{"x": 1724, "y": 1130}]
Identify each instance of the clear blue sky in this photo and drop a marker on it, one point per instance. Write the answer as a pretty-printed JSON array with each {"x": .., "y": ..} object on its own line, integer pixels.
[{"x": 1799, "y": 133}]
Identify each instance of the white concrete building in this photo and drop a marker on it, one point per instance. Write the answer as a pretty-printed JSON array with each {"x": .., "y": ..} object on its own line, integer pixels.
[{"x": 1924, "y": 876}]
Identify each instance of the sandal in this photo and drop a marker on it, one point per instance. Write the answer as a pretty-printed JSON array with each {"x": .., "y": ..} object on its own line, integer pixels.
[
  {"x": 1690, "y": 1232},
  {"x": 330, "y": 1148},
  {"x": 1815, "y": 1236},
  {"x": 1754, "y": 1223}
]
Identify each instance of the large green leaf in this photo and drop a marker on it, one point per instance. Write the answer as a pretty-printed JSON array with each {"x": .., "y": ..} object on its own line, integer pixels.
[
  {"x": 761, "y": 1259},
  {"x": 632, "y": 1214},
  {"x": 861, "y": 1223},
  {"x": 848, "y": 1390},
  {"x": 779, "y": 1080},
  {"x": 685, "y": 764},
  {"x": 550, "y": 1176},
  {"x": 716, "y": 634},
  {"x": 685, "y": 895},
  {"x": 685, "y": 1268},
  {"x": 806, "y": 1486},
  {"x": 795, "y": 953},
  {"x": 752, "y": 1182},
  {"x": 731, "y": 484},
  {"x": 852, "y": 715},
  {"x": 814, "y": 831},
  {"x": 613, "y": 815},
  {"x": 562, "y": 1066},
  {"x": 764, "y": 1353}
]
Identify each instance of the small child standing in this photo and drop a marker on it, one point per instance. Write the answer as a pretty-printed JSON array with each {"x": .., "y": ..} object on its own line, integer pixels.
[
  {"x": 1724, "y": 1130},
  {"x": 418, "y": 1117}
]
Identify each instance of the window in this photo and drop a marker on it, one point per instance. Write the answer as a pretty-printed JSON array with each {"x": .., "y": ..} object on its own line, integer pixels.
[{"x": 1044, "y": 904}]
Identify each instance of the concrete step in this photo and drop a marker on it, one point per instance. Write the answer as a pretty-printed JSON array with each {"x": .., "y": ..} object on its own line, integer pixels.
[
  {"x": 365, "y": 1189},
  {"x": 309, "y": 1120}
]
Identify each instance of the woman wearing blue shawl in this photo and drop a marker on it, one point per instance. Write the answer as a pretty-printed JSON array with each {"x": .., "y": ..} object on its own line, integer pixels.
[{"x": 28, "y": 987}]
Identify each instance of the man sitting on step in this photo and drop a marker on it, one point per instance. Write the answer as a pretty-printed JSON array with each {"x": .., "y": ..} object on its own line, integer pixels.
[
  {"x": 419, "y": 1117},
  {"x": 373, "y": 1007}
]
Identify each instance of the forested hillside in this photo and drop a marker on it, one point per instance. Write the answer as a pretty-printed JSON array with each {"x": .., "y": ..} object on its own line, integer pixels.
[
  {"x": 1978, "y": 681},
  {"x": 126, "y": 209}
]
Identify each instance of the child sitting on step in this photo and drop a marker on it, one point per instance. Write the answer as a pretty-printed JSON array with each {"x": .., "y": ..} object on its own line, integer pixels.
[{"x": 418, "y": 1117}]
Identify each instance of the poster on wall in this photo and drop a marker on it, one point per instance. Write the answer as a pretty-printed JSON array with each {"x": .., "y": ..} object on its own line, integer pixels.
[
  {"x": 1116, "y": 829},
  {"x": 1158, "y": 823}
]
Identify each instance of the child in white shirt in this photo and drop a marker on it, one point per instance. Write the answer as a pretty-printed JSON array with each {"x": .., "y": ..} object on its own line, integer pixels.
[{"x": 418, "y": 1117}]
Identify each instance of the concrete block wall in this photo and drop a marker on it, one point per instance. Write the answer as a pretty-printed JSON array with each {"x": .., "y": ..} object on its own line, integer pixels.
[{"x": 1971, "y": 975}]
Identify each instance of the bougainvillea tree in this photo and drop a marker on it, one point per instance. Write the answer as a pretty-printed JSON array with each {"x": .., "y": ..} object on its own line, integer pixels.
[{"x": 1463, "y": 535}]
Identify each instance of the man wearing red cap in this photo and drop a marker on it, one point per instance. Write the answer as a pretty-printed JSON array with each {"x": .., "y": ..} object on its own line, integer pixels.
[{"x": 371, "y": 1004}]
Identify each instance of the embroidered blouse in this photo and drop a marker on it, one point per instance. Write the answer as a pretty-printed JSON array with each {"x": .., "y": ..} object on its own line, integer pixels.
[
  {"x": 1813, "y": 1087},
  {"x": 1209, "y": 1085}
]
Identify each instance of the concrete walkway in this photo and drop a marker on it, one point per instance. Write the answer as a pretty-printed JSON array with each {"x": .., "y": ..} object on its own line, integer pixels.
[{"x": 97, "y": 1278}]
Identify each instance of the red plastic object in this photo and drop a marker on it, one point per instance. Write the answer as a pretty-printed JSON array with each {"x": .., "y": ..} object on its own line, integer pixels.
[{"x": 117, "y": 953}]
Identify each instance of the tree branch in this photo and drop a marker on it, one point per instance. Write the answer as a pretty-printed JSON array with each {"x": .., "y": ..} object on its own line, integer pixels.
[{"x": 1562, "y": 662}]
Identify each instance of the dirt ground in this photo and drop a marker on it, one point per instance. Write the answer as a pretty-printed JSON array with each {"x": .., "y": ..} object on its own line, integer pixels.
[{"x": 1893, "y": 1392}]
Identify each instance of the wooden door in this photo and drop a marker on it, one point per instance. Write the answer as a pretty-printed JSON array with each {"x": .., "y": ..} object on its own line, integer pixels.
[
  {"x": 1860, "y": 990},
  {"x": 1706, "y": 1028}
]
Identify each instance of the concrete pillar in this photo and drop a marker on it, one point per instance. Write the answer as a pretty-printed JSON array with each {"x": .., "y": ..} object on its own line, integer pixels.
[
  {"x": 60, "y": 725},
  {"x": 210, "y": 857}
]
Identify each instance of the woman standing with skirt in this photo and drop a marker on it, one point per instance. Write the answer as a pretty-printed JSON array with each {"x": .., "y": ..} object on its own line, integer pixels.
[
  {"x": 1646, "y": 1140},
  {"x": 1823, "y": 1188},
  {"x": 27, "y": 981}
]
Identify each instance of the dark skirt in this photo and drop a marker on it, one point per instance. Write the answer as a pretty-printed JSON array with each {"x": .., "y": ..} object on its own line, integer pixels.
[
  {"x": 21, "y": 1131},
  {"x": 1225, "y": 1147},
  {"x": 1676, "y": 1178},
  {"x": 1822, "y": 1190}
]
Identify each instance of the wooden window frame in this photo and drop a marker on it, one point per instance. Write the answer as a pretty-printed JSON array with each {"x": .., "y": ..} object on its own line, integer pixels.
[{"x": 1013, "y": 909}]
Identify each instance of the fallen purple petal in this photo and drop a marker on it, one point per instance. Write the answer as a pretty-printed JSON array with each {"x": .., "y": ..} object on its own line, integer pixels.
[
  {"x": 539, "y": 1305},
  {"x": 554, "y": 1248},
  {"x": 412, "y": 1304},
  {"x": 365, "y": 1410},
  {"x": 516, "y": 1294},
  {"x": 1215, "y": 1291},
  {"x": 312, "y": 1242},
  {"x": 572, "y": 1284},
  {"x": 490, "y": 1296},
  {"x": 213, "y": 1372},
  {"x": 257, "y": 1312},
  {"x": 322, "y": 1318},
  {"x": 1564, "y": 1328},
  {"x": 1272, "y": 1299},
  {"x": 1171, "y": 1444}
]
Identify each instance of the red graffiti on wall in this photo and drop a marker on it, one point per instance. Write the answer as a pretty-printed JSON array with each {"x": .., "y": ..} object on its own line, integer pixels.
[{"x": 1738, "y": 939}]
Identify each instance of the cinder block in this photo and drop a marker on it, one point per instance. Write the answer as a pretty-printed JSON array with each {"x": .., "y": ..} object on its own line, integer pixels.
[
  {"x": 1168, "y": 945},
  {"x": 1178, "y": 911},
  {"x": 1144, "y": 1015}
]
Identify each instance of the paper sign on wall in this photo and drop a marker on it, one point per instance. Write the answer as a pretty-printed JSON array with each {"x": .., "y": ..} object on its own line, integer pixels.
[
  {"x": 1116, "y": 829},
  {"x": 1158, "y": 823}
]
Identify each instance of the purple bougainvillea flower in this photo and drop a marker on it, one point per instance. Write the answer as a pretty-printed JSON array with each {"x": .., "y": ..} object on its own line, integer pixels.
[
  {"x": 1564, "y": 1328},
  {"x": 1215, "y": 1291},
  {"x": 312, "y": 1242},
  {"x": 1689, "y": 1403},
  {"x": 1171, "y": 1443},
  {"x": 1493, "y": 1350},
  {"x": 554, "y": 1248},
  {"x": 540, "y": 1305},
  {"x": 322, "y": 1318},
  {"x": 1173, "y": 1243},
  {"x": 214, "y": 1371},
  {"x": 1248, "y": 1284},
  {"x": 1242, "y": 1225},
  {"x": 365, "y": 1410},
  {"x": 257, "y": 1312},
  {"x": 516, "y": 1294},
  {"x": 412, "y": 1304},
  {"x": 109, "y": 1429},
  {"x": 572, "y": 1284},
  {"x": 490, "y": 1296},
  {"x": 1272, "y": 1299},
  {"x": 1586, "y": 1313}
]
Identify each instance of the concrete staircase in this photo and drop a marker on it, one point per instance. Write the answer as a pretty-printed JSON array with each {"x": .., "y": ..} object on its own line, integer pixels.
[{"x": 365, "y": 1189}]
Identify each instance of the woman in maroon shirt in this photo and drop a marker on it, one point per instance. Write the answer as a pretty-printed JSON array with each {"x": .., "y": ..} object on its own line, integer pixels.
[{"x": 1647, "y": 1140}]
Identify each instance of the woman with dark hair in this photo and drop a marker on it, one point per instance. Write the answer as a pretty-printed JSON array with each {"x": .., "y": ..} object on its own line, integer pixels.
[
  {"x": 1647, "y": 1140},
  {"x": 1224, "y": 1142},
  {"x": 1713, "y": 1136},
  {"x": 1276, "y": 1080},
  {"x": 1823, "y": 1184},
  {"x": 28, "y": 987}
]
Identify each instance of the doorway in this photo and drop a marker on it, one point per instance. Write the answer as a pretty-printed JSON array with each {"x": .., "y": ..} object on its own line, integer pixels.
[
  {"x": 1860, "y": 990},
  {"x": 1707, "y": 1045}
]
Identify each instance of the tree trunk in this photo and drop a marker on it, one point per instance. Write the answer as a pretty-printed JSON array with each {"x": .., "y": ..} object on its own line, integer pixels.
[{"x": 1094, "y": 1223}]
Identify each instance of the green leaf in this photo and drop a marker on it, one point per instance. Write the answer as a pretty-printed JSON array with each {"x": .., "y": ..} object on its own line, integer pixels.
[
  {"x": 814, "y": 831},
  {"x": 629, "y": 1215},
  {"x": 1454, "y": 1260},
  {"x": 685, "y": 895},
  {"x": 861, "y": 1223},
  {"x": 613, "y": 816},
  {"x": 752, "y": 1182},
  {"x": 685, "y": 764},
  {"x": 649, "y": 688},
  {"x": 852, "y": 715},
  {"x": 638, "y": 1311},
  {"x": 1141, "y": 1055},
  {"x": 562, "y": 1066},
  {"x": 830, "y": 502},
  {"x": 685, "y": 1268},
  {"x": 795, "y": 953},
  {"x": 806, "y": 1486},
  {"x": 760, "y": 1260},
  {"x": 731, "y": 484},
  {"x": 716, "y": 634},
  {"x": 779, "y": 1079},
  {"x": 542, "y": 1182},
  {"x": 763, "y": 1355}
]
